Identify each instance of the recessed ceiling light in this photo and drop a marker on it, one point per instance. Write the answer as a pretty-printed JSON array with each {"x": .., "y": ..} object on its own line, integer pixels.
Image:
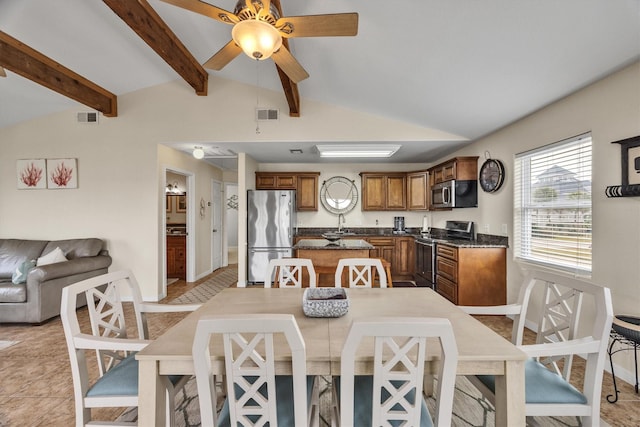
[{"x": 364, "y": 150}]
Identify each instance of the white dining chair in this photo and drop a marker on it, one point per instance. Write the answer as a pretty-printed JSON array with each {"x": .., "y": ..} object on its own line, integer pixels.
[
  {"x": 256, "y": 396},
  {"x": 548, "y": 390},
  {"x": 361, "y": 272},
  {"x": 117, "y": 377},
  {"x": 289, "y": 273},
  {"x": 393, "y": 395}
]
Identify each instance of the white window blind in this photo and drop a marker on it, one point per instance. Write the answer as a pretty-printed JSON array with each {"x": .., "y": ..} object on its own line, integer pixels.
[{"x": 552, "y": 205}]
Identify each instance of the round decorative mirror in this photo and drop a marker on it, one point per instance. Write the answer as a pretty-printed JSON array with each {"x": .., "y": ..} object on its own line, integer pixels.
[{"x": 338, "y": 195}]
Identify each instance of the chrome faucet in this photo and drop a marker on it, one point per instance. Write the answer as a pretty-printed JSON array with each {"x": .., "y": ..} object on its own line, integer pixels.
[{"x": 340, "y": 221}]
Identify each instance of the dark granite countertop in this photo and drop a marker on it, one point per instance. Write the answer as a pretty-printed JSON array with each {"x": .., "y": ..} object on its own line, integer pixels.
[
  {"x": 437, "y": 235},
  {"x": 339, "y": 244}
]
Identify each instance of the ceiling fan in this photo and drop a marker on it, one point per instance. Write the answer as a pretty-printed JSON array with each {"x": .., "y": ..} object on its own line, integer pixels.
[{"x": 258, "y": 30}]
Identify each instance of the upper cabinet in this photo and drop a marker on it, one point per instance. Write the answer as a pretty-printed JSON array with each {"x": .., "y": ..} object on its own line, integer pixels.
[
  {"x": 417, "y": 191},
  {"x": 276, "y": 181},
  {"x": 458, "y": 168},
  {"x": 305, "y": 184},
  {"x": 384, "y": 191}
]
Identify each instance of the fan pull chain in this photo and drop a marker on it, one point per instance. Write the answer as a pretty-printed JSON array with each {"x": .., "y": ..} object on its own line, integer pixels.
[{"x": 257, "y": 96}]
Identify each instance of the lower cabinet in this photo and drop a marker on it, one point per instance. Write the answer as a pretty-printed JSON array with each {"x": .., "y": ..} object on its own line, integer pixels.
[
  {"x": 177, "y": 257},
  {"x": 472, "y": 276},
  {"x": 398, "y": 251},
  {"x": 404, "y": 262},
  {"x": 383, "y": 249}
]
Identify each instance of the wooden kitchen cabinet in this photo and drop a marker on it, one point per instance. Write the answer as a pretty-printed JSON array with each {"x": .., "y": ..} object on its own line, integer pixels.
[
  {"x": 275, "y": 181},
  {"x": 384, "y": 191},
  {"x": 472, "y": 276},
  {"x": 307, "y": 192},
  {"x": 461, "y": 168},
  {"x": 305, "y": 184},
  {"x": 418, "y": 191},
  {"x": 177, "y": 257},
  {"x": 383, "y": 248},
  {"x": 404, "y": 262}
]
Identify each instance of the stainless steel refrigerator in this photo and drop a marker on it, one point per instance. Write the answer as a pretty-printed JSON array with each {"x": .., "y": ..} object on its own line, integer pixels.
[{"x": 271, "y": 218}]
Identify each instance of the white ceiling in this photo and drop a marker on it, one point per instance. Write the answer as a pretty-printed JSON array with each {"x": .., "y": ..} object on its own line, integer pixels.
[{"x": 466, "y": 67}]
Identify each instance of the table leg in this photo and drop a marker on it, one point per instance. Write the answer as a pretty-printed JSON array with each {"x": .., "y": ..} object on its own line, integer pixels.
[
  {"x": 152, "y": 395},
  {"x": 510, "y": 399}
]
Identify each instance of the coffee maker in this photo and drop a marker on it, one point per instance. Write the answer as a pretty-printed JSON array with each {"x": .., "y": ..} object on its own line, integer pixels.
[{"x": 398, "y": 225}]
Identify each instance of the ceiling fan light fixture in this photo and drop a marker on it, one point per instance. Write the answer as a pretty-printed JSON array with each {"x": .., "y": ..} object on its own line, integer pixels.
[
  {"x": 258, "y": 39},
  {"x": 198, "y": 153},
  {"x": 357, "y": 151}
]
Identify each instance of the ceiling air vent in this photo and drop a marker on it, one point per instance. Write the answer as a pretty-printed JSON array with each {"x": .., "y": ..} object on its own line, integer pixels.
[
  {"x": 88, "y": 117},
  {"x": 263, "y": 114}
]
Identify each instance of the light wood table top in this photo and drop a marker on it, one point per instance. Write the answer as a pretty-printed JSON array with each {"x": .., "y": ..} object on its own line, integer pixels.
[{"x": 481, "y": 351}]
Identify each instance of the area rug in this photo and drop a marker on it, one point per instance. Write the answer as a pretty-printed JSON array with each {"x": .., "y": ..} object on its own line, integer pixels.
[
  {"x": 470, "y": 409},
  {"x": 7, "y": 344},
  {"x": 206, "y": 290}
]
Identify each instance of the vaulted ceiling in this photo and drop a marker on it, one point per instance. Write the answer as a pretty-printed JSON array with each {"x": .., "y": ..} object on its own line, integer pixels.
[{"x": 466, "y": 67}]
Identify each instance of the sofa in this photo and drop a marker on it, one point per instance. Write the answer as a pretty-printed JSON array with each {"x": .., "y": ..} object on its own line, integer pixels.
[{"x": 45, "y": 267}]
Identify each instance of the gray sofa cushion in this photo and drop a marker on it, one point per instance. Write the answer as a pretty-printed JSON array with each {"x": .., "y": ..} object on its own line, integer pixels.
[
  {"x": 75, "y": 248},
  {"x": 14, "y": 252},
  {"x": 13, "y": 293}
]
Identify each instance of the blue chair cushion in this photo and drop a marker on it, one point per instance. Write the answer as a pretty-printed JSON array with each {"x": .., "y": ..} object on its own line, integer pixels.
[
  {"x": 542, "y": 385},
  {"x": 284, "y": 399},
  {"x": 363, "y": 404},
  {"x": 121, "y": 380}
]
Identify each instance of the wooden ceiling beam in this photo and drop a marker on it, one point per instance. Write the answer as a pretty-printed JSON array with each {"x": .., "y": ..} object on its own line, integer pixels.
[
  {"x": 145, "y": 21},
  {"x": 290, "y": 88},
  {"x": 33, "y": 65}
]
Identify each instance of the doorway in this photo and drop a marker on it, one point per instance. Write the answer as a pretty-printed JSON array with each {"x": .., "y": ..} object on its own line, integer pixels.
[
  {"x": 217, "y": 228},
  {"x": 177, "y": 247}
]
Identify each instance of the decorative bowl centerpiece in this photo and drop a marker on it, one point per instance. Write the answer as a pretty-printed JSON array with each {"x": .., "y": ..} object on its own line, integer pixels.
[
  {"x": 332, "y": 237},
  {"x": 325, "y": 302}
]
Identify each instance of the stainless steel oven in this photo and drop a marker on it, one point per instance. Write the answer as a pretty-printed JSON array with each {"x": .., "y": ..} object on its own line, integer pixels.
[{"x": 425, "y": 275}]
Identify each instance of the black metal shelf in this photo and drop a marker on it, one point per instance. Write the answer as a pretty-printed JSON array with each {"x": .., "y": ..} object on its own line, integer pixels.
[{"x": 623, "y": 190}]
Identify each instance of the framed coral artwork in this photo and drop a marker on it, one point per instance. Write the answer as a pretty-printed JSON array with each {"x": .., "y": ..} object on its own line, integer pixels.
[
  {"x": 31, "y": 174},
  {"x": 62, "y": 173}
]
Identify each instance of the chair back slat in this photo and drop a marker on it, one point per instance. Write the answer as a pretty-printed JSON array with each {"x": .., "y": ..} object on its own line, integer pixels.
[
  {"x": 249, "y": 349},
  {"x": 290, "y": 273},
  {"x": 361, "y": 272},
  {"x": 398, "y": 359}
]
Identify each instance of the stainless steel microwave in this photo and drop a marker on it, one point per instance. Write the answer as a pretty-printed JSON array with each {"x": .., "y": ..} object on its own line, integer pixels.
[{"x": 455, "y": 194}]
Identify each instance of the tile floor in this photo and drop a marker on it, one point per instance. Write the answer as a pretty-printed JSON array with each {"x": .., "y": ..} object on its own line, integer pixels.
[{"x": 36, "y": 387}]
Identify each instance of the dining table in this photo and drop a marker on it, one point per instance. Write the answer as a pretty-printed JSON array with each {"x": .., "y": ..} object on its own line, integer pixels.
[{"x": 480, "y": 349}]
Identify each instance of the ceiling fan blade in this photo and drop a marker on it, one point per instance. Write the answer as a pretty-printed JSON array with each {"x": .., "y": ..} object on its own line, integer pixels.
[
  {"x": 223, "y": 56},
  {"x": 338, "y": 24},
  {"x": 289, "y": 65},
  {"x": 2, "y": 72},
  {"x": 206, "y": 9}
]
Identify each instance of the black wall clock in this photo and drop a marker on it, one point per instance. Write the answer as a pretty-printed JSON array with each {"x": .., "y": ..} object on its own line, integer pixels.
[{"x": 491, "y": 175}]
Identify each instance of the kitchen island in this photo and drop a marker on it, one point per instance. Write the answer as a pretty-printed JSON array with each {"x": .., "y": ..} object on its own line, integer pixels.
[{"x": 325, "y": 255}]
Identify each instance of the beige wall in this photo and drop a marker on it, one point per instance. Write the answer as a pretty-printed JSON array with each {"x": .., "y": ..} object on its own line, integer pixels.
[
  {"x": 610, "y": 110},
  {"x": 121, "y": 181},
  {"x": 121, "y": 166}
]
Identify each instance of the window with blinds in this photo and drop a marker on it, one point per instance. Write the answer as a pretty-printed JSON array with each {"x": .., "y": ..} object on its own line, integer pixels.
[{"x": 552, "y": 205}]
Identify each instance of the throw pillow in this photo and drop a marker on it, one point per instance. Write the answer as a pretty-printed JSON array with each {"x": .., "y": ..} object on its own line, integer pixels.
[
  {"x": 20, "y": 275},
  {"x": 52, "y": 257}
]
